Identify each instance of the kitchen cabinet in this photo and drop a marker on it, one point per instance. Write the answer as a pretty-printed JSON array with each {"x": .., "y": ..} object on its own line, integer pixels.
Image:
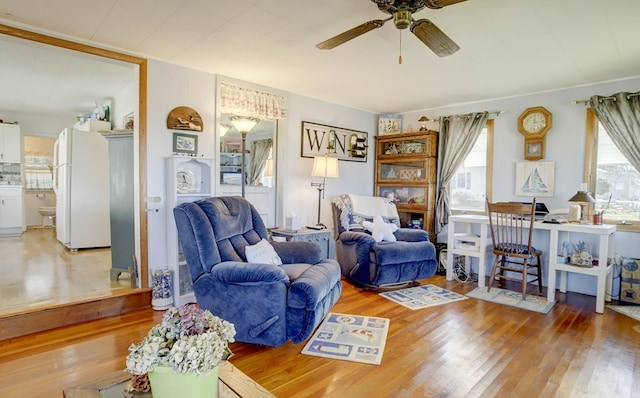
[
  {"x": 406, "y": 173},
  {"x": 10, "y": 143},
  {"x": 188, "y": 179},
  {"x": 11, "y": 210}
]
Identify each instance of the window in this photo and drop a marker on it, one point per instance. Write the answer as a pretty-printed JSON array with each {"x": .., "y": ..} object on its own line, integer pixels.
[
  {"x": 471, "y": 185},
  {"x": 613, "y": 180}
]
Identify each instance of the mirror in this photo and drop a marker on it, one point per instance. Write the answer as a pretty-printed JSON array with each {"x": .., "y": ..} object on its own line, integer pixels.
[
  {"x": 260, "y": 165},
  {"x": 138, "y": 69}
]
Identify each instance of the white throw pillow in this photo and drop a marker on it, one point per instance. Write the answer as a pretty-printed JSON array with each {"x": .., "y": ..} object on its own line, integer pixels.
[
  {"x": 380, "y": 230},
  {"x": 263, "y": 253}
]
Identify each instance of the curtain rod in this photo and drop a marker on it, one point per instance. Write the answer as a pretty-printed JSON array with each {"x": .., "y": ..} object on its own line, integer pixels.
[
  {"x": 587, "y": 102},
  {"x": 497, "y": 113}
]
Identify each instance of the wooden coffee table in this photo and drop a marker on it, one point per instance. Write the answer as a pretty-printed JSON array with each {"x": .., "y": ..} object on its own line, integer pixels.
[{"x": 233, "y": 383}]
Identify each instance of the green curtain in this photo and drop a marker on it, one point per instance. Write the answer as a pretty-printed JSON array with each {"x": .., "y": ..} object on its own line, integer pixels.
[
  {"x": 458, "y": 134},
  {"x": 620, "y": 116},
  {"x": 259, "y": 154}
]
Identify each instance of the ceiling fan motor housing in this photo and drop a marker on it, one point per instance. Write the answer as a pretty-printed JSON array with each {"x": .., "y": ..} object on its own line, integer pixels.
[{"x": 402, "y": 19}]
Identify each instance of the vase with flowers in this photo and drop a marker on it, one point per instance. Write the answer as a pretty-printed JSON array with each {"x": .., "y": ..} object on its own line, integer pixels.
[{"x": 184, "y": 351}]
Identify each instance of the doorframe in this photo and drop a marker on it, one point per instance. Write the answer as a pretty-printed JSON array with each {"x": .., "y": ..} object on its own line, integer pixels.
[{"x": 142, "y": 122}]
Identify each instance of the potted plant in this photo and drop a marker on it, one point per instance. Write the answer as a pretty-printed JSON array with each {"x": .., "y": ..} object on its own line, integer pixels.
[{"x": 183, "y": 353}]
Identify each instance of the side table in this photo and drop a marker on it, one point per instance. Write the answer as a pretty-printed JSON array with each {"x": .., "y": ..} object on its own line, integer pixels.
[{"x": 323, "y": 237}]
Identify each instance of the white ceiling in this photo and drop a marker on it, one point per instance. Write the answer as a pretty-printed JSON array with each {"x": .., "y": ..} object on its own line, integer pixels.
[{"x": 508, "y": 47}]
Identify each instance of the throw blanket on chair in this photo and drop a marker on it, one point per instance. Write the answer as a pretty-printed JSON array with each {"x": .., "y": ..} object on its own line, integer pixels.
[{"x": 358, "y": 208}]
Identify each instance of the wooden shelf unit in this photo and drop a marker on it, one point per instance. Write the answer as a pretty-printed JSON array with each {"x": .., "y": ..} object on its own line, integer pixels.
[{"x": 406, "y": 171}]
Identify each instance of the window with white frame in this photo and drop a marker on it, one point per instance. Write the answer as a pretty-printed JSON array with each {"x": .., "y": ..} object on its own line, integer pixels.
[
  {"x": 471, "y": 184},
  {"x": 613, "y": 180}
]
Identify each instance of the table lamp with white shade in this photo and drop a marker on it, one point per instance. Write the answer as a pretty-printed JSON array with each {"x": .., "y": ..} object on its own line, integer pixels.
[{"x": 326, "y": 167}]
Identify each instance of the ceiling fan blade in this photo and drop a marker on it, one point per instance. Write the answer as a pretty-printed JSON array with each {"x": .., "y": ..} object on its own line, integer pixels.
[
  {"x": 352, "y": 33},
  {"x": 434, "y": 38},
  {"x": 435, "y": 4}
]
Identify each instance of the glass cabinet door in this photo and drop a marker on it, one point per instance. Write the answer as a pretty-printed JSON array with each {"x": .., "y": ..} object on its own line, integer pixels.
[
  {"x": 404, "y": 195},
  {"x": 391, "y": 171},
  {"x": 408, "y": 146}
]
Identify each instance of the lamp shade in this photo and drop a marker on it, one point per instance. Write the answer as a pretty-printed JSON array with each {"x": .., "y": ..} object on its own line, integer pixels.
[
  {"x": 223, "y": 129},
  {"x": 325, "y": 166},
  {"x": 582, "y": 197},
  {"x": 243, "y": 124}
]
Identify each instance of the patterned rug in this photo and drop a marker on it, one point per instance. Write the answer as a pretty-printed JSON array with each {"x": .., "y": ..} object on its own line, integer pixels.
[
  {"x": 425, "y": 296},
  {"x": 512, "y": 298},
  {"x": 354, "y": 338},
  {"x": 632, "y": 311}
]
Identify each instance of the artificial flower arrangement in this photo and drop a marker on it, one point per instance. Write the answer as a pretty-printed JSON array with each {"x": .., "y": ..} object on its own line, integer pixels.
[{"x": 189, "y": 339}]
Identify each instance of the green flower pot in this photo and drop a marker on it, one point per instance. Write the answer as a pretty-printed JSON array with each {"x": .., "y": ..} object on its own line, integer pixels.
[{"x": 165, "y": 383}]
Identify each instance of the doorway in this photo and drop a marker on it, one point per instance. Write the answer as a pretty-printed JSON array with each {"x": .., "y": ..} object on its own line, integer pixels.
[{"x": 140, "y": 66}]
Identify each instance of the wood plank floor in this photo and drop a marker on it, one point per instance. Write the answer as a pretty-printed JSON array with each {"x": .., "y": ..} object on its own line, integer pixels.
[
  {"x": 38, "y": 272},
  {"x": 469, "y": 348}
]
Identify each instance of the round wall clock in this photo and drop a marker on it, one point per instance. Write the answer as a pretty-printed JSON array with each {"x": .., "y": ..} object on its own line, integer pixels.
[
  {"x": 184, "y": 181},
  {"x": 534, "y": 122}
]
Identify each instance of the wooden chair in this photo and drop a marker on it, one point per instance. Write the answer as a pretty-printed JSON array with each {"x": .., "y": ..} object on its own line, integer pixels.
[{"x": 511, "y": 232}]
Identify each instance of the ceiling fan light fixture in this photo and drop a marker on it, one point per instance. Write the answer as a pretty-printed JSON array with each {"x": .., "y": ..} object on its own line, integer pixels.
[{"x": 402, "y": 19}]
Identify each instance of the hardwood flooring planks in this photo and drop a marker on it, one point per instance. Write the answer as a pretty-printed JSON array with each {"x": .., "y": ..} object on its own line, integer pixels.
[{"x": 468, "y": 348}]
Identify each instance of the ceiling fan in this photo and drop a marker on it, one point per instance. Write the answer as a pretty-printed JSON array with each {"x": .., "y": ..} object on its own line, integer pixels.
[{"x": 401, "y": 12}]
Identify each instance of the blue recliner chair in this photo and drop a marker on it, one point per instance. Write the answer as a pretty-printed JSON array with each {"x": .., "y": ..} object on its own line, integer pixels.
[
  {"x": 268, "y": 304},
  {"x": 383, "y": 264}
]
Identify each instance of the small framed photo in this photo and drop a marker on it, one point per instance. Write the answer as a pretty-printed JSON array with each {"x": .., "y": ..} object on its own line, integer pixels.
[
  {"x": 534, "y": 149},
  {"x": 185, "y": 143},
  {"x": 389, "y": 124}
]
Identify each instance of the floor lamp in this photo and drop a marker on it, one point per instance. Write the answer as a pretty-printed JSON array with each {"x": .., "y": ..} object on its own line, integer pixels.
[
  {"x": 244, "y": 124},
  {"x": 325, "y": 167}
]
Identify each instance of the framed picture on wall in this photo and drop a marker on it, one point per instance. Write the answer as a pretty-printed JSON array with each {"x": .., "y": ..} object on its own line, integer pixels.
[
  {"x": 535, "y": 178},
  {"x": 185, "y": 143},
  {"x": 534, "y": 149},
  {"x": 345, "y": 144}
]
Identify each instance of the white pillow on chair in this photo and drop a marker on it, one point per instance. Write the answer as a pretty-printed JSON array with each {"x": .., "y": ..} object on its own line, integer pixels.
[
  {"x": 380, "y": 230},
  {"x": 262, "y": 253}
]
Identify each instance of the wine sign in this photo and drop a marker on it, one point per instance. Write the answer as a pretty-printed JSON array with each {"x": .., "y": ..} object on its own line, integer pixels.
[{"x": 345, "y": 144}]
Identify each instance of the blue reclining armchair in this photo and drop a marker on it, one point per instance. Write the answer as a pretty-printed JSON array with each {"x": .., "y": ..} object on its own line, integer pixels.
[
  {"x": 268, "y": 304},
  {"x": 383, "y": 264}
]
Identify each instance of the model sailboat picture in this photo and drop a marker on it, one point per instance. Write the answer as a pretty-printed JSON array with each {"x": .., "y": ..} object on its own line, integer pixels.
[
  {"x": 534, "y": 178},
  {"x": 534, "y": 183}
]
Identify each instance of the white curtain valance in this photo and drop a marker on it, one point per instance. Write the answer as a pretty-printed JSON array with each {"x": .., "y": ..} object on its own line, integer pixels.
[{"x": 250, "y": 102}]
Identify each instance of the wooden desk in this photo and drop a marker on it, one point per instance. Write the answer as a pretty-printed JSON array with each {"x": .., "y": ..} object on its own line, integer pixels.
[{"x": 557, "y": 234}]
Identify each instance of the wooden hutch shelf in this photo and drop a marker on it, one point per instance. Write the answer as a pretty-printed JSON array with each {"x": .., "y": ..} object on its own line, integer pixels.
[{"x": 406, "y": 172}]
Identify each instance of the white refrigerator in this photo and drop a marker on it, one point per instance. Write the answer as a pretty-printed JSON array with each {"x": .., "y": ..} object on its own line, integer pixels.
[{"x": 81, "y": 184}]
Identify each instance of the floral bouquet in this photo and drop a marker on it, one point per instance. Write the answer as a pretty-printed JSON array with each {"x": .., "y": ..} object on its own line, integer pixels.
[{"x": 189, "y": 339}]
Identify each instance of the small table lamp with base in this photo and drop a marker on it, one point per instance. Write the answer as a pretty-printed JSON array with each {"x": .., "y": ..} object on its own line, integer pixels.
[{"x": 583, "y": 198}]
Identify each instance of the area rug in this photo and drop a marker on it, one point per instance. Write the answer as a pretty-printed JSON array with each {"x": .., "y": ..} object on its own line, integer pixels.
[
  {"x": 424, "y": 296},
  {"x": 513, "y": 299},
  {"x": 632, "y": 311},
  {"x": 354, "y": 338}
]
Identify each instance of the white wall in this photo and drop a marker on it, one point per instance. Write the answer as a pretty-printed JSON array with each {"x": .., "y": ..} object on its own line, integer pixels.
[
  {"x": 565, "y": 145},
  {"x": 355, "y": 177},
  {"x": 170, "y": 86}
]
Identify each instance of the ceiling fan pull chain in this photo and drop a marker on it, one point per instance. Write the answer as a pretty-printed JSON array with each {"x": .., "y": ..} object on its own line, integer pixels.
[{"x": 400, "y": 57}]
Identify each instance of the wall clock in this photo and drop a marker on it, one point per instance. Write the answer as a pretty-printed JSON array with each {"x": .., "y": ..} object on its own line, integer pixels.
[
  {"x": 534, "y": 122},
  {"x": 185, "y": 181}
]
